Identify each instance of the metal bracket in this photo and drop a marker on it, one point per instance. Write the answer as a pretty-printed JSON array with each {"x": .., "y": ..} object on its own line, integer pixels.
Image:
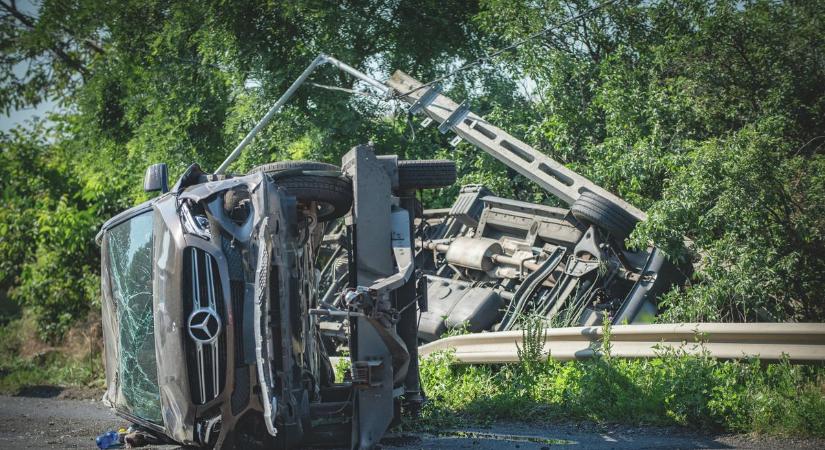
[
  {"x": 455, "y": 118},
  {"x": 426, "y": 99},
  {"x": 577, "y": 267},
  {"x": 367, "y": 373},
  {"x": 205, "y": 428}
]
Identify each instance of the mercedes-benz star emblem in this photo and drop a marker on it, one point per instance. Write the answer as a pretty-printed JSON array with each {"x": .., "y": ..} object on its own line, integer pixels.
[{"x": 204, "y": 325}]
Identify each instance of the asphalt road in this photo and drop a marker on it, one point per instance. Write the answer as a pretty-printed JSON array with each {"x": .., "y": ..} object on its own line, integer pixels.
[{"x": 51, "y": 419}]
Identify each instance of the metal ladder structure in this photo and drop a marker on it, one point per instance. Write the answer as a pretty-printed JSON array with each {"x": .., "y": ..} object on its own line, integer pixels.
[{"x": 548, "y": 173}]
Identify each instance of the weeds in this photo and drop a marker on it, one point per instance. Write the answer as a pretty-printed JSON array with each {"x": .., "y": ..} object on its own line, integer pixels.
[
  {"x": 458, "y": 330},
  {"x": 606, "y": 346},
  {"x": 531, "y": 354},
  {"x": 342, "y": 368},
  {"x": 675, "y": 388},
  {"x": 50, "y": 367},
  {"x": 672, "y": 389}
]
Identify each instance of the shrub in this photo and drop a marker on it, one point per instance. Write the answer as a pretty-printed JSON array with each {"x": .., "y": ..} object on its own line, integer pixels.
[{"x": 676, "y": 389}]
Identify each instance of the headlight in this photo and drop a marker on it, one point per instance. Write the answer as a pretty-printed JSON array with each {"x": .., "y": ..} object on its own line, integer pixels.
[{"x": 194, "y": 222}]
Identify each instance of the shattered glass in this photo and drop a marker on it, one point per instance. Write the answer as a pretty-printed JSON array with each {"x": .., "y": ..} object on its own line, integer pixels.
[{"x": 131, "y": 269}]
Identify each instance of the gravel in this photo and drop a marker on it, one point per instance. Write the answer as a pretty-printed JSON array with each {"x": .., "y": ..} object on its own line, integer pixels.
[{"x": 56, "y": 418}]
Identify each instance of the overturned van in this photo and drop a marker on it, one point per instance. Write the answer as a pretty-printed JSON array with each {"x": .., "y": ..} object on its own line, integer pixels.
[
  {"x": 211, "y": 311},
  {"x": 225, "y": 297}
]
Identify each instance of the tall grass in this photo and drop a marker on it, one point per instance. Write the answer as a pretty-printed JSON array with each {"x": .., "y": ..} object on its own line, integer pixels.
[
  {"x": 52, "y": 366},
  {"x": 673, "y": 389}
]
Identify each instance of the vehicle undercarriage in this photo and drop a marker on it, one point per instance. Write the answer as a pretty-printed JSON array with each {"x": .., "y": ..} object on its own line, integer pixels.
[{"x": 225, "y": 297}]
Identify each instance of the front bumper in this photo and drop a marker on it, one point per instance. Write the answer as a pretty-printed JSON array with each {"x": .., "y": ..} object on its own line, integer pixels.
[{"x": 203, "y": 292}]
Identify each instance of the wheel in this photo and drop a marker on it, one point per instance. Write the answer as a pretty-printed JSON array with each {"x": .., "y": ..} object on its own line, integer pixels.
[
  {"x": 425, "y": 173},
  {"x": 310, "y": 181},
  {"x": 595, "y": 210},
  {"x": 236, "y": 204},
  {"x": 296, "y": 167}
]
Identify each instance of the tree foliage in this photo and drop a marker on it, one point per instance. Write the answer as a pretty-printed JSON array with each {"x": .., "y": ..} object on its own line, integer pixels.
[{"x": 709, "y": 114}]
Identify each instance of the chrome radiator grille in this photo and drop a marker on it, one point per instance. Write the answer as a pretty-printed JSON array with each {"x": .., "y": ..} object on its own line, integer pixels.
[{"x": 204, "y": 314}]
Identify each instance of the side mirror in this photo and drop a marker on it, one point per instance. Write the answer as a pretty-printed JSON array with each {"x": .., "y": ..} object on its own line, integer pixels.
[{"x": 156, "y": 178}]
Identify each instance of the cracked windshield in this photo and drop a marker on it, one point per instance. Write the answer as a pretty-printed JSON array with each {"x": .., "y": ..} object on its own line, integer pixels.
[{"x": 130, "y": 252}]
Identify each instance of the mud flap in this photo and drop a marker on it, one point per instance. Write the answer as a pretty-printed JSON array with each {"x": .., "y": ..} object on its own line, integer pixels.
[
  {"x": 384, "y": 261},
  {"x": 372, "y": 379}
]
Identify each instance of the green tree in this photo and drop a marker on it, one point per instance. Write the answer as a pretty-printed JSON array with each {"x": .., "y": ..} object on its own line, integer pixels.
[
  {"x": 46, "y": 232},
  {"x": 722, "y": 104},
  {"x": 181, "y": 82},
  {"x": 709, "y": 114}
]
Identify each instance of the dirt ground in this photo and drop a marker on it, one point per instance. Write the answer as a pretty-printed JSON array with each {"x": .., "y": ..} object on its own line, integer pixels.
[{"x": 53, "y": 418}]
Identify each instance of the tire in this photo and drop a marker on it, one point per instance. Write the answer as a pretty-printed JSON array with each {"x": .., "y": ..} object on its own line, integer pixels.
[
  {"x": 236, "y": 204},
  {"x": 592, "y": 209},
  {"x": 425, "y": 174},
  {"x": 285, "y": 167},
  {"x": 327, "y": 187}
]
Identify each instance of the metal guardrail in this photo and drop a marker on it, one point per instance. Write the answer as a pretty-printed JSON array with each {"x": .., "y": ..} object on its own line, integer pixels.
[{"x": 767, "y": 341}]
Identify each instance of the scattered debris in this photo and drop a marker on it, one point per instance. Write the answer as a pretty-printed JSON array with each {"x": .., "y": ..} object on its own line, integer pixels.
[{"x": 111, "y": 439}]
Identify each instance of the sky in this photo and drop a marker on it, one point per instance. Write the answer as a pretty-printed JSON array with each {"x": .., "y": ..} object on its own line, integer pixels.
[{"x": 20, "y": 117}]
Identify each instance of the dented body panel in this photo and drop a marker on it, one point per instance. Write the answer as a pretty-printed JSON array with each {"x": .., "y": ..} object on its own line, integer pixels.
[
  {"x": 231, "y": 354},
  {"x": 223, "y": 299}
]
